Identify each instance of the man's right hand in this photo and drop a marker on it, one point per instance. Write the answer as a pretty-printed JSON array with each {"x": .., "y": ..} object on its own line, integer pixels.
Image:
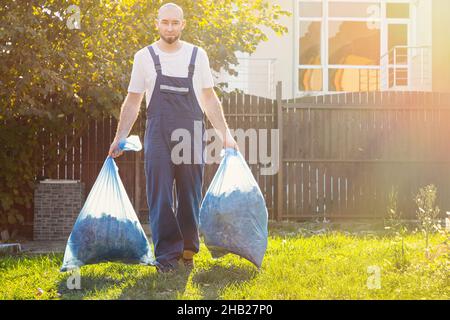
[
  {"x": 128, "y": 115},
  {"x": 114, "y": 150}
]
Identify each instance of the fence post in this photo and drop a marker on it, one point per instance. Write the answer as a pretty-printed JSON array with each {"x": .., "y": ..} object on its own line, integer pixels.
[{"x": 279, "y": 209}]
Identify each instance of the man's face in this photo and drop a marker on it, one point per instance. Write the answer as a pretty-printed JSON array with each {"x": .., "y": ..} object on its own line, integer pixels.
[{"x": 170, "y": 25}]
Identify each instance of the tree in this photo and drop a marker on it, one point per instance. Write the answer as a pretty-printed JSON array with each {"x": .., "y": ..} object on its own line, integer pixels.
[{"x": 72, "y": 60}]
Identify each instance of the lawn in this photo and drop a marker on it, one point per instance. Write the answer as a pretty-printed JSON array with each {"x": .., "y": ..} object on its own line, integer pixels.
[{"x": 303, "y": 261}]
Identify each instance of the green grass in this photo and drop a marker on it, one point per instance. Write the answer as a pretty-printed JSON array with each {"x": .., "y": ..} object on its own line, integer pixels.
[{"x": 299, "y": 264}]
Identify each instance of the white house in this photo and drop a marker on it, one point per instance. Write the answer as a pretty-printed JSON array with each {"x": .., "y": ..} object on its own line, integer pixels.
[{"x": 348, "y": 45}]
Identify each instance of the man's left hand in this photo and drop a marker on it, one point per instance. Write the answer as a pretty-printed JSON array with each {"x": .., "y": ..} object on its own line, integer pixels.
[{"x": 230, "y": 143}]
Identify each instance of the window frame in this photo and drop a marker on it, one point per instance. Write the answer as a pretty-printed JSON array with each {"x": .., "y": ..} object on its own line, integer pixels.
[{"x": 382, "y": 20}]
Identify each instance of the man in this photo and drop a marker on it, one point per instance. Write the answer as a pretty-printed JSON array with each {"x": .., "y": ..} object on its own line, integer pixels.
[{"x": 179, "y": 90}]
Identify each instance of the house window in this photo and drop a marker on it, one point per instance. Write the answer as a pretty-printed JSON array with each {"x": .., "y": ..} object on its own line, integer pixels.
[
  {"x": 310, "y": 79},
  {"x": 353, "y": 43},
  {"x": 353, "y": 79},
  {"x": 340, "y": 42},
  {"x": 397, "y": 10},
  {"x": 354, "y": 9},
  {"x": 310, "y": 9},
  {"x": 310, "y": 42}
]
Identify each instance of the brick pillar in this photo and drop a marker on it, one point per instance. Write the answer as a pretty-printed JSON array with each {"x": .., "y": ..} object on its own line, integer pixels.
[{"x": 57, "y": 206}]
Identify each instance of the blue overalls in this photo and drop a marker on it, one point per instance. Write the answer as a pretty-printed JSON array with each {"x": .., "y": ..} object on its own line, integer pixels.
[{"x": 173, "y": 105}]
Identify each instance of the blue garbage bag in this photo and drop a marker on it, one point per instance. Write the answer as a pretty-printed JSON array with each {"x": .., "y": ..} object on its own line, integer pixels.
[
  {"x": 107, "y": 228},
  {"x": 233, "y": 215}
]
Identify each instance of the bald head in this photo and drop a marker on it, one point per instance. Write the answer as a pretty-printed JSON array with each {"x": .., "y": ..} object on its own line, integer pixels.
[
  {"x": 170, "y": 10},
  {"x": 170, "y": 22}
]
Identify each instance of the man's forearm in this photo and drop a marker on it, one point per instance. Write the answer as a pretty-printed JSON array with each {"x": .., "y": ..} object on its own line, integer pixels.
[
  {"x": 214, "y": 112},
  {"x": 128, "y": 116}
]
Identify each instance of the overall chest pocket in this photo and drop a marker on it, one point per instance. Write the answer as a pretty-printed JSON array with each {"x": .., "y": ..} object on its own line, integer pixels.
[{"x": 172, "y": 89}]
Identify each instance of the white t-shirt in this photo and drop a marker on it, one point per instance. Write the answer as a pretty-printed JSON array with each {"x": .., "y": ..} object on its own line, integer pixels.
[{"x": 143, "y": 75}]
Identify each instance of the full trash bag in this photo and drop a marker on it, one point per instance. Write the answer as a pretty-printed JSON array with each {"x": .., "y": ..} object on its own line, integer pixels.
[
  {"x": 233, "y": 215},
  {"x": 107, "y": 228}
]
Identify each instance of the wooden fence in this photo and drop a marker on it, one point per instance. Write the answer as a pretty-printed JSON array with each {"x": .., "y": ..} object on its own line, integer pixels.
[
  {"x": 340, "y": 154},
  {"x": 344, "y": 153},
  {"x": 84, "y": 159}
]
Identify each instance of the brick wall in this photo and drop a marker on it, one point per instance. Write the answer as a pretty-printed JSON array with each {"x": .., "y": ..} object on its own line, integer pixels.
[{"x": 57, "y": 206}]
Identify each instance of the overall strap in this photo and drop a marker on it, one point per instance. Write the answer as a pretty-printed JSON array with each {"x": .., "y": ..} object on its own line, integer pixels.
[
  {"x": 192, "y": 63},
  {"x": 155, "y": 58}
]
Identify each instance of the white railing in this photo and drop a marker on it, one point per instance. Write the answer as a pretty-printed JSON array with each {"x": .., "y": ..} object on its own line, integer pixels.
[
  {"x": 406, "y": 68},
  {"x": 255, "y": 77}
]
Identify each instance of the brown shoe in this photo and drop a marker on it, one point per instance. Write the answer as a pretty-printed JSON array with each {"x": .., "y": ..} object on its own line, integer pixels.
[
  {"x": 169, "y": 268},
  {"x": 188, "y": 263},
  {"x": 188, "y": 259}
]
